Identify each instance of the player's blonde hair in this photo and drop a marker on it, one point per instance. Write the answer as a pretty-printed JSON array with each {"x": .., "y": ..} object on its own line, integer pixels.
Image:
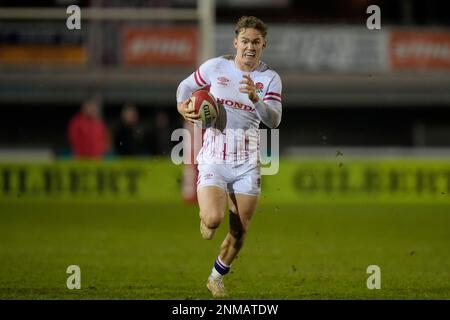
[{"x": 250, "y": 22}]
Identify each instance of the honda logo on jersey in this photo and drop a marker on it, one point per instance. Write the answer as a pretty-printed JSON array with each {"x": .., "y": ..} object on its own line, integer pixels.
[{"x": 234, "y": 104}]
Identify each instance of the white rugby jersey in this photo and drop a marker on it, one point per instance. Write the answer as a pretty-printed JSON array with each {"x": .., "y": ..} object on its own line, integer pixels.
[{"x": 239, "y": 142}]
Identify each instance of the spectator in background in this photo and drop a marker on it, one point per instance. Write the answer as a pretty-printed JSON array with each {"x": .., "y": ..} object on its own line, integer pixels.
[
  {"x": 161, "y": 144},
  {"x": 129, "y": 134},
  {"x": 87, "y": 133}
]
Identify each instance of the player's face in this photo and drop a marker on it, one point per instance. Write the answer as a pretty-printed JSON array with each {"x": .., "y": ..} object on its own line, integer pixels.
[{"x": 249, "y": 45}]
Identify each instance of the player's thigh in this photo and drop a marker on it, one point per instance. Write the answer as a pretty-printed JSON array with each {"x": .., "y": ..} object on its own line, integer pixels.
[
  {"x": 242, "y": 207},
  {"x": 244, "y": 194},
  {"x": 212, "y": 201}
]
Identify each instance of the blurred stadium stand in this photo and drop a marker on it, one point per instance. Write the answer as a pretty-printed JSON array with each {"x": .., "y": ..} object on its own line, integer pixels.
[{"x": 344, "y": 85}]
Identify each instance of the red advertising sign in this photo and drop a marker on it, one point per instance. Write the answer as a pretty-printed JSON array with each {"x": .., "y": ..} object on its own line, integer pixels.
[
  {"x": 43, "y": 54},
  {"x": 160, "y": 46},
  {"x": 419, "y": 50}
]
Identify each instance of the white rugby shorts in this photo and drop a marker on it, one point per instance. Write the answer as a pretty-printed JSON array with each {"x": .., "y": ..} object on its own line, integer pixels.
[{"x": 242, "y": 178}]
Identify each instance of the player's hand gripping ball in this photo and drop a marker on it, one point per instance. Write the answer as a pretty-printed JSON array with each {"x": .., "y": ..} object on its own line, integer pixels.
[{"x": 204, "y": 103}]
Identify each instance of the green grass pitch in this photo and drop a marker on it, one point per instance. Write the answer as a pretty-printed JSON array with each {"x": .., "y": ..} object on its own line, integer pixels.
[{"x": 309, "y": 251}]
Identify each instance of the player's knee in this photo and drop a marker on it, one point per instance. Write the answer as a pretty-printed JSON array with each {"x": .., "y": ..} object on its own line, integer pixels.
[{"x": 213, "y": 219}]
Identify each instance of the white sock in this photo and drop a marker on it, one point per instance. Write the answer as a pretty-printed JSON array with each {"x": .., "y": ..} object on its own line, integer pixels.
[
  {"x": 219, "y": 269},
  {"x": 215, "y": 275}
]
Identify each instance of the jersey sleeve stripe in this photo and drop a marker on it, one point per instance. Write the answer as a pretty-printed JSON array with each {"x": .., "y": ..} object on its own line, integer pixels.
[
  {"x": 200, "y": 77},
  {"x": 272, "y": 98},
  {"x": 273, "y": 94},
  {"x": 196, "y": 80}
]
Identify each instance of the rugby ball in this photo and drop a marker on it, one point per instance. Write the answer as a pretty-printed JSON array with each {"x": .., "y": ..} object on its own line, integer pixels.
[{"x": 204, "y": 103}]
